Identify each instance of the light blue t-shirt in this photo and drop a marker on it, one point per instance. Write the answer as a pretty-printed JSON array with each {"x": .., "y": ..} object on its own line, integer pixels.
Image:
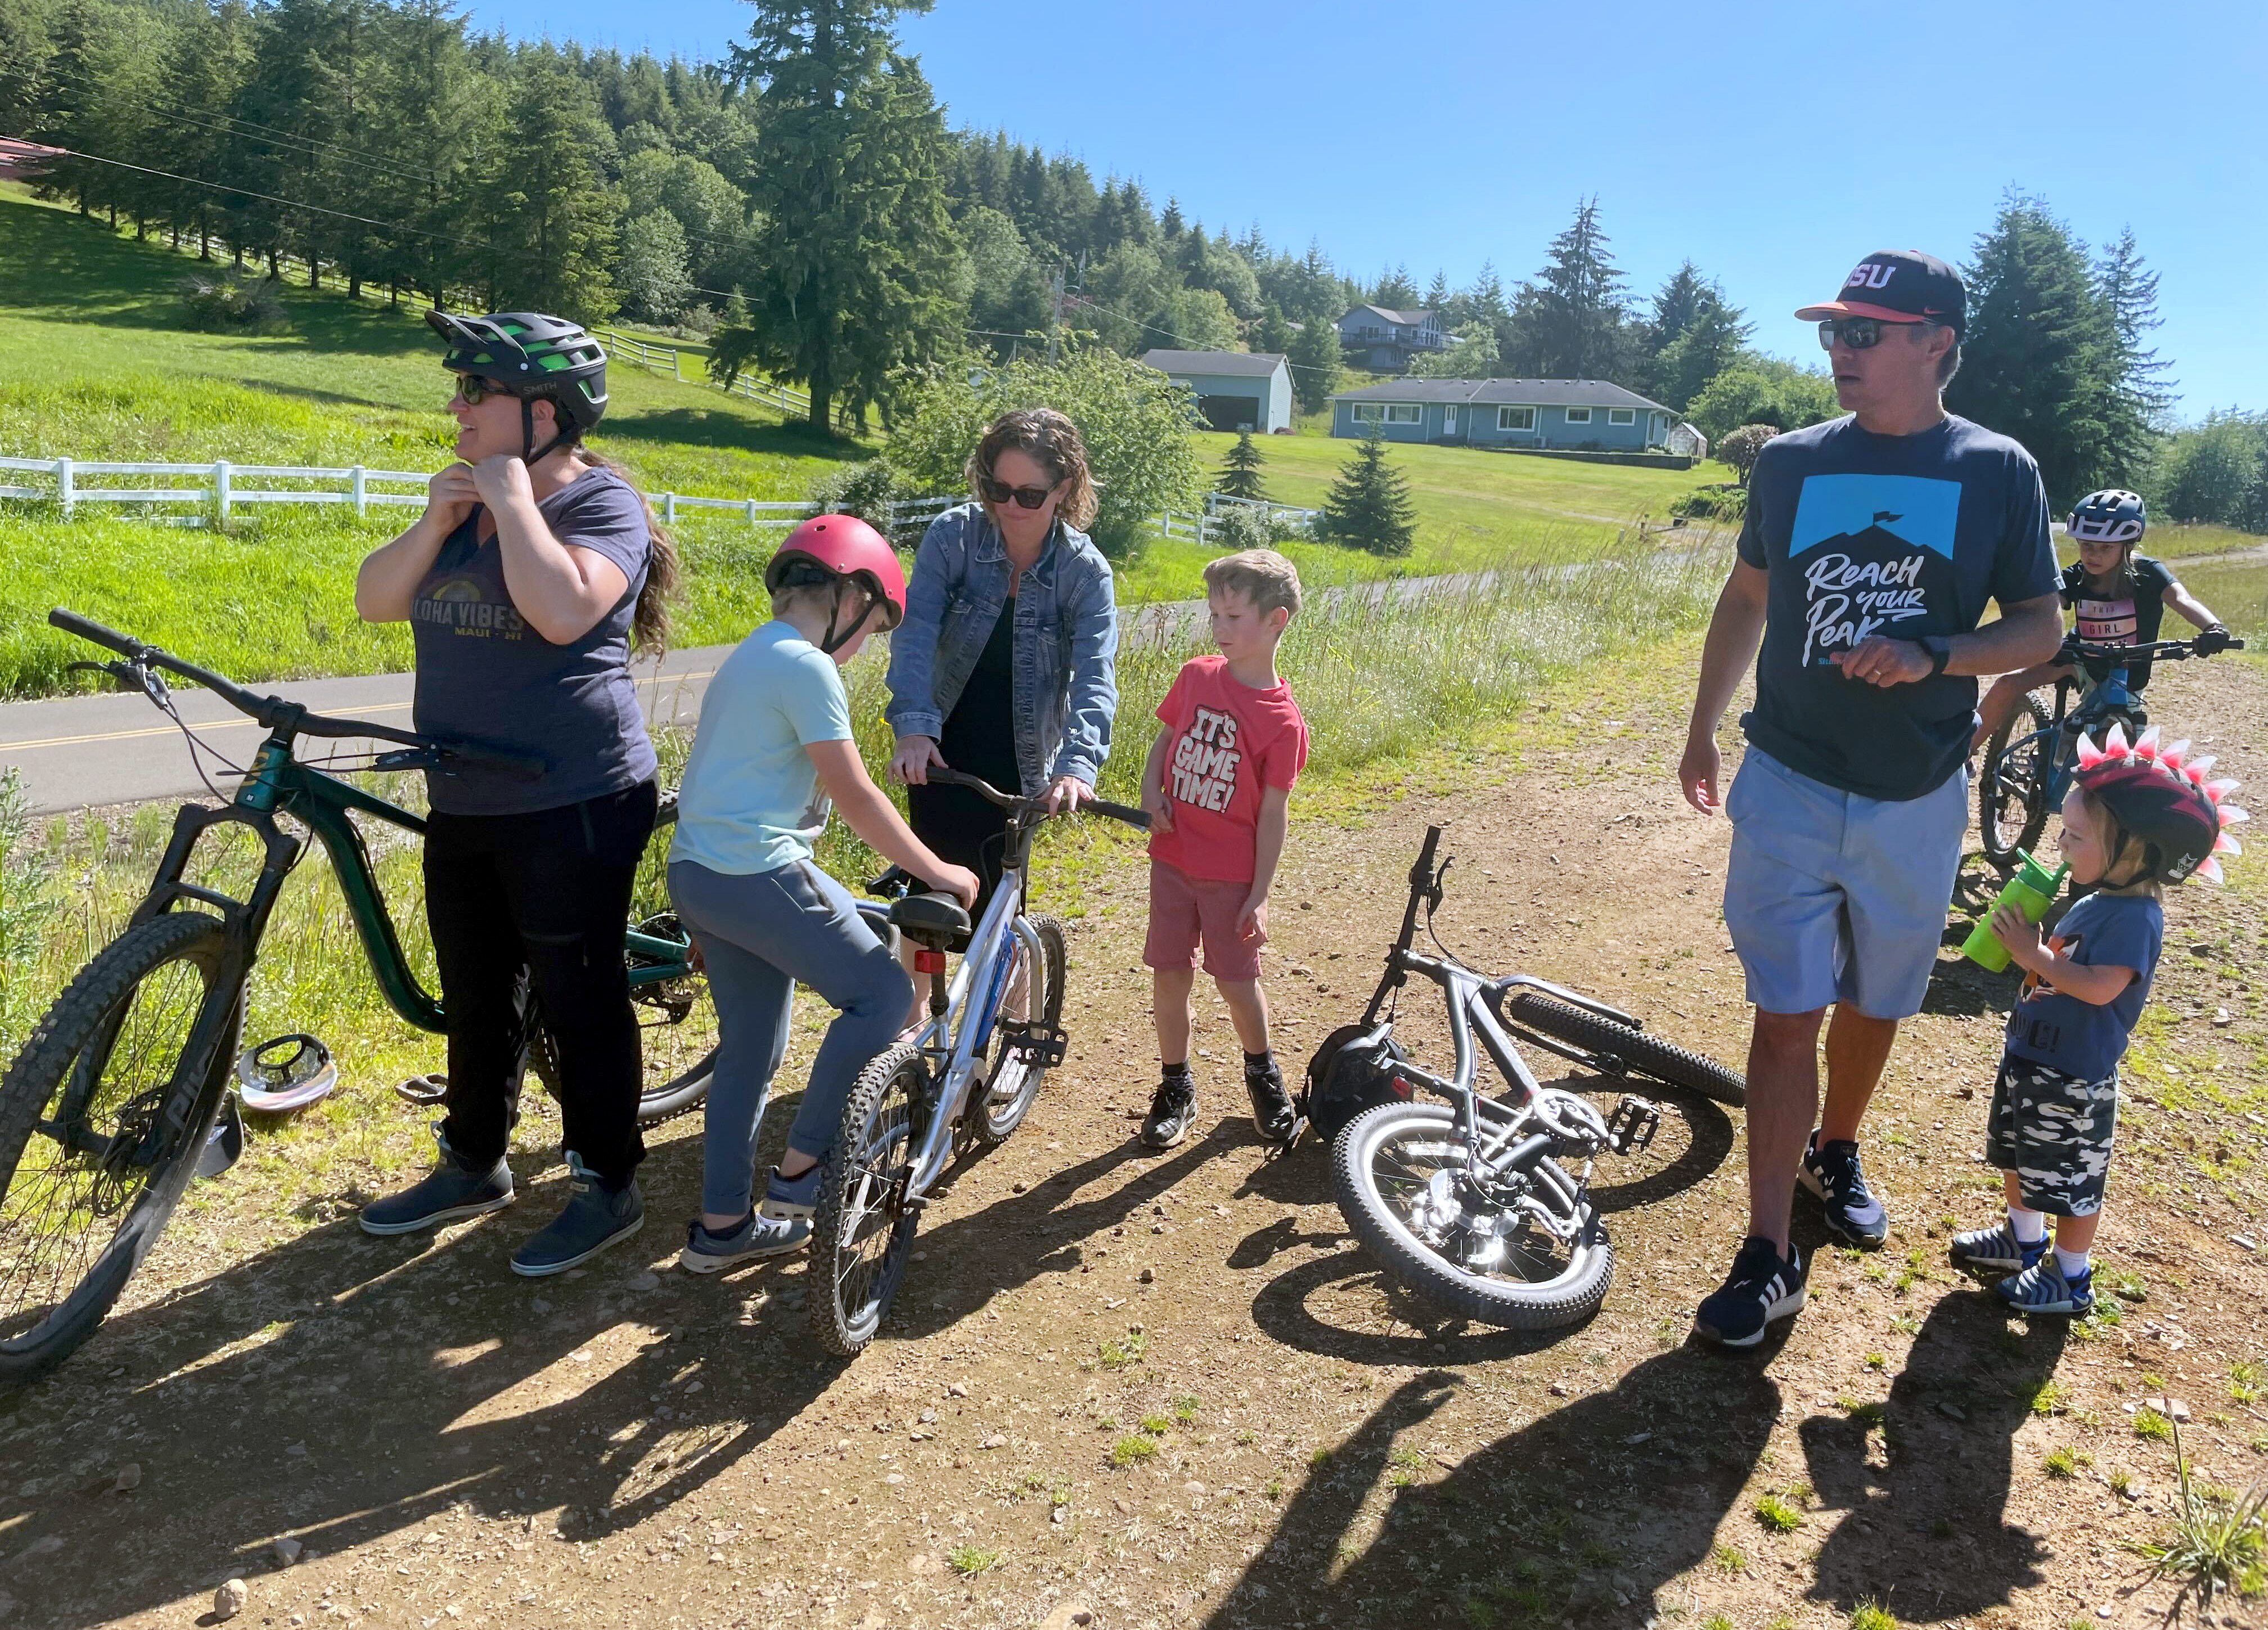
[{"x": 750, "y": 799}]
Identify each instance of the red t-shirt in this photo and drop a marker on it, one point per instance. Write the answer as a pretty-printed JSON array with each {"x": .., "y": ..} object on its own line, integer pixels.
[{"x": 1229, "y": 741}]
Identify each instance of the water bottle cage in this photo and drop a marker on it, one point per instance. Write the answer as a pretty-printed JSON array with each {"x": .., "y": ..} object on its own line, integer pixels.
[{"x": 1042, "y": 1045}]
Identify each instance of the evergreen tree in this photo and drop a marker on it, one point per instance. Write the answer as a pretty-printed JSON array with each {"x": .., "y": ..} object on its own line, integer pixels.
[
  {"x": 2039, "y": 360},
  {"x": 205, "y": 70},
  {"x": 1393, "y": 289},
  {"x": 852, "y": 272},
  {"x": 550, "y": 214},
  {"x": 1315, "y": 365},
  {"x": 1437, "y": 294},
  {"x": 651, "y": 268},
  {"x": 2139, "y": 391},
  {"x": 1692, "y": 336},
  {"x": 1239, "y": 470},
  {"x": 1170, "y": 224},
  {"x": 1569, "y": 323},
  {"x": 1274, "y": 335},
  {"x": 1369, "y": 506},
  {"x": 25, "y": 54}
]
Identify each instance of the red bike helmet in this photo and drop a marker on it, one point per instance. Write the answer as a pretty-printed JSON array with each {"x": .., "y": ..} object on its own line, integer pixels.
[
  {"x": 2160, "y": 793},
  {"x": 834, "y": 548}
]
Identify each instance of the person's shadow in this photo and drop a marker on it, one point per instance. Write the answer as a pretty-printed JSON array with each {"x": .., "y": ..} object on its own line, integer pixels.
[
  {"x": 1924, "y": 1527},
  {"x": 1584, "y": 1512}
]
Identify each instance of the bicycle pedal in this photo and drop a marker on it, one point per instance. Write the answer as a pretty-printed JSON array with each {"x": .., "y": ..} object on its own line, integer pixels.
[
  {"x": 1632, "y": 1125},
  {"x": 1042, "y": 1045},
  {"x": 424, "y": 1090}
]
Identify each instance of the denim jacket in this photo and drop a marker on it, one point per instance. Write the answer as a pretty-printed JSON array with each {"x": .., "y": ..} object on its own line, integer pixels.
[{"x": 1066, "y": 643}]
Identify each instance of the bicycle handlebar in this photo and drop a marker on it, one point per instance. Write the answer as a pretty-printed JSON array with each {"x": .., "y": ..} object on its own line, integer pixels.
[
  {"x": 2155, "y": 651},
  {"x": 274, "y": 713},
  {"x": 985, "y": 790}
]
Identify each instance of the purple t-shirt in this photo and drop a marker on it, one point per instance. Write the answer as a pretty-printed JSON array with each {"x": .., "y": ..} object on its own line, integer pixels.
[{"x": 487, "y": 679}]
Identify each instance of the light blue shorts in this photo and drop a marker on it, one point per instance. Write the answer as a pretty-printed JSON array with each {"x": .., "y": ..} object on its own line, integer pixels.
[{"x": 1832, "y": 897}]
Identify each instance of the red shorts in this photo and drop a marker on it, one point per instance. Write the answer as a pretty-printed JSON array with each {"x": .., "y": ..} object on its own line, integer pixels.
[{"x": 1185, "y": 911}]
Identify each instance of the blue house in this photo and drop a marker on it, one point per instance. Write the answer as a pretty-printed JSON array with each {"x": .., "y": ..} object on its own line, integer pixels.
[
  {"x": 1383, "y": 340},
  {"x": 1588, "y": 414},
  {"x": 1234, "y": 389}
]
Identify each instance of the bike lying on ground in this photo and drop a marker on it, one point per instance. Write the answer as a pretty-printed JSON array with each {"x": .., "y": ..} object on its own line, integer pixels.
[
  {"x": 1467, "y": 1203},
  {"x": 2031, "y": 760},
  {"x": 106, "y": 1111},
  {"x": 933, "y": 1092}
]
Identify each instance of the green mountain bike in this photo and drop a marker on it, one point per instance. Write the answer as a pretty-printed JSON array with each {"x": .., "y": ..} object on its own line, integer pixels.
[{"x": 108, "y": 1108}]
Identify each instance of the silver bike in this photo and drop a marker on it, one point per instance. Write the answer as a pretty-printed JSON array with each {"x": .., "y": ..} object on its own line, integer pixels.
[{"x": 965, "y": 1080}]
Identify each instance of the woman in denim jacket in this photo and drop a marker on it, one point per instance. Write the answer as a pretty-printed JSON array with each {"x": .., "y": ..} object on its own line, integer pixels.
[{"x": 1005, "y": 665}]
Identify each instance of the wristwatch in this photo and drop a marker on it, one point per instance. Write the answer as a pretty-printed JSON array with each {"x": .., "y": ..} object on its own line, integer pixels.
[{"x": 1939, "y": 648}]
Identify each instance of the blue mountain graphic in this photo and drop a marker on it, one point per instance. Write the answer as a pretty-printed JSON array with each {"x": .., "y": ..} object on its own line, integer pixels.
[{"x": 1872, "y": 516}]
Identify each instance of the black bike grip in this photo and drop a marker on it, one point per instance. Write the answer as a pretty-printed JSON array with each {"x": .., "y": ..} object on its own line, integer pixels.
[
  {"x": 897, "y": 880},
  {"x": 1119, "y": 812},
  {"x": 86, "y": 629}
]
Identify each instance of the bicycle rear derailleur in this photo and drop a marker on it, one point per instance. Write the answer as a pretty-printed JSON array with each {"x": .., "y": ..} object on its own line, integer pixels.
[{"x": 1632, "y": 1124}]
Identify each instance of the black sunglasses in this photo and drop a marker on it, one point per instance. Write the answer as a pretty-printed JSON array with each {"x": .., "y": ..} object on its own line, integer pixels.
[
  {"x": 1858, "y": 333},
  {"x": 1000, "y": 492},
  {"x": 476, "y": 390}
]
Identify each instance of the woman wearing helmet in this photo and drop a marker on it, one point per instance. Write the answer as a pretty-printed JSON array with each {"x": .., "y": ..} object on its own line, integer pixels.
[
  {"x": 2117, "y": 598},
  {"x": 533, "y": 571},
  {"x": 774, "y": 749}
]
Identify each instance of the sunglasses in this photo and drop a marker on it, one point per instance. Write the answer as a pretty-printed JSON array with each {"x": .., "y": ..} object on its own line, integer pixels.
[
  {"x": 476, "y": 390},
  {"x": 1857, "y": 333},
  {"x": 1001, "y": 492}
]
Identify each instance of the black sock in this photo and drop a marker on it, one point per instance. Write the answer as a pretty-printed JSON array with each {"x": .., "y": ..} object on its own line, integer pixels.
[
  {"x": 1259, "y": 1063},
  {"x": 1176, "y": 1071}
]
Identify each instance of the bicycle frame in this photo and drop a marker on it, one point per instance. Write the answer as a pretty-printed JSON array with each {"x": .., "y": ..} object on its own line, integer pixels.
[{"x": 2101, "y": 698}]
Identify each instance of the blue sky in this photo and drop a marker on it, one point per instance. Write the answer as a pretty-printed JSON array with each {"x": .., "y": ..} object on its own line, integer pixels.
[{"x": 1774, "y": 144}]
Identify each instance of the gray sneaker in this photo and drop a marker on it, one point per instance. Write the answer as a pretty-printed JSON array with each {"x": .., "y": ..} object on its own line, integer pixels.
[
  {"x": 453, "y": 1190},
  {"x": 593, "y": 1220},
  {"x": 756, "y": 1237}
]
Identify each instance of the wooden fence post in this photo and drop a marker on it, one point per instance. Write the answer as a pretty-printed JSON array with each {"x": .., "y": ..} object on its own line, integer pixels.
[{"x": 63, "y": 485}]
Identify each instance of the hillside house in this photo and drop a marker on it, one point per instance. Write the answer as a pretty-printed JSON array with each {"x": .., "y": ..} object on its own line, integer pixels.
[
  {"x": 1384, "y": 341},
  {"x": 1235, "y": 390},
  {"x": 1589, "y": 415}
]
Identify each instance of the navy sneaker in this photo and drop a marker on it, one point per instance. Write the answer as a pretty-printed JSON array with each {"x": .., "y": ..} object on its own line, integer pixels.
[
  {"x": 755, "y": 1238},
  {"x": 1996, "y": 1249},
  {"x": 794, "y": 1200},
  {"x": 595, "y": 1218},
  {"x": 454, "y": 1190},
  {"x": 2042, "y": 1289},
  {"x": 1830, "y": 1175},
  {"x": 1172, "y": 1108},
  {"x": 1764, "y": 1287}
]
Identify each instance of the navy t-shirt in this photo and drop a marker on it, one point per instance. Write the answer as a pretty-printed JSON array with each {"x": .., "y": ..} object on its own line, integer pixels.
[
  {"x": 2082, "y": 1038},
  {"x": 486, "y": 678},
  {"x": 1896, "y": 536},
  {"x": 2127, "y": 615}
]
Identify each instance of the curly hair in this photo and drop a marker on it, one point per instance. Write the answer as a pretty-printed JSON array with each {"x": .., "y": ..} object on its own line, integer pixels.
[{"x": 1052, "y": 442}]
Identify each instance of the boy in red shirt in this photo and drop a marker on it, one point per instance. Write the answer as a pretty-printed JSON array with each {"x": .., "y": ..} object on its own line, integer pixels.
[{"x": 1217, "y": 787}]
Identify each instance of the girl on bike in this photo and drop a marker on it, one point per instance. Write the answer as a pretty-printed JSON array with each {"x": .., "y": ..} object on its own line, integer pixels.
[
  {"x": 533, "y": 571},
  {"x": 1005, "y": 668},
  {"x": 2117, "y": 598},
  {"x": 774, "y": 749}
]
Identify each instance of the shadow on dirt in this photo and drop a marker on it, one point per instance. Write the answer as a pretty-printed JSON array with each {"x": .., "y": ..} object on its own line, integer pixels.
[
  {"x": 1925, "y": 1526},
  {"x": 1580, "y": 1516}
]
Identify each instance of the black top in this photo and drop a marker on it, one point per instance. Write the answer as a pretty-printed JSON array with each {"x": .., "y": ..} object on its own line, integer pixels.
[
  {"x": 2121, "y": 617},
  {"x": 980, "y": 733}
]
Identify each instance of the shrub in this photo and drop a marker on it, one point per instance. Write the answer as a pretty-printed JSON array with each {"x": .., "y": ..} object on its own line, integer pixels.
[
  {"x": 866, "y": 490},
  {"x": 1236, "y": 529},
  {"x": 1369, "y": 506},
  {"x": 1135, "y": 422},
  {"x": 228, "y": 301},
  {"x": 1723, "y": 500},
  {"x": 1739, "y": 448},
  {"x": 1240, "y": 471}
]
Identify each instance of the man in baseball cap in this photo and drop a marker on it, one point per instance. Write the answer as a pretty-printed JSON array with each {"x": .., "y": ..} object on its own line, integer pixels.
[{"x": 1870, "y": 548}]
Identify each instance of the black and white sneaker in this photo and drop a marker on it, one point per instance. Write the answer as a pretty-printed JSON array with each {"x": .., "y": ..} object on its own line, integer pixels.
[
  {"x": 1172, "y": 1108},
  {"x": 1830, "y": 1174},
  {"x": 1762, "y": 1287},
  {"x": 1273, "y": 1111}
]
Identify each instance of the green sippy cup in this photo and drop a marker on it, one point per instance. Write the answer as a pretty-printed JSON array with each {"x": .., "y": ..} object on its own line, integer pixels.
[{"x": 2031, "y": 891}]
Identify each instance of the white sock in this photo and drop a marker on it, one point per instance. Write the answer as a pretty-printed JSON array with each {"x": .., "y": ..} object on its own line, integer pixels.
[
  {"x": 2029, "y": 1227},
  {"x": 2073, "y": 1262}
]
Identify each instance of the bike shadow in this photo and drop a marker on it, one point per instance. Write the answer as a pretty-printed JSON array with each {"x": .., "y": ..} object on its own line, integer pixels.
[
  {"x": 1580, "y": 1514},
  {"x": 341, "y": 1389},
  {"x": 1925, "y": 1528}
]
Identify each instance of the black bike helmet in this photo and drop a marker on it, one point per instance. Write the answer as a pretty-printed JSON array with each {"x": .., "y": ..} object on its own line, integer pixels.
[
  {"x": 535, "y": 357},
  {"x": 2160, "y": 794},
  {"x": 1352, "y": 1072},
  {"x": 2113, "y": 515}
]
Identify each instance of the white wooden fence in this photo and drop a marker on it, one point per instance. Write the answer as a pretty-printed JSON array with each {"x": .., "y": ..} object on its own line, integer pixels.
[
  {"x": 1216, "y": 503},
  {"x": 224, "y": 490},
  {"x": 659, "y": 356},
  {"x": 1203, "y": 528}
]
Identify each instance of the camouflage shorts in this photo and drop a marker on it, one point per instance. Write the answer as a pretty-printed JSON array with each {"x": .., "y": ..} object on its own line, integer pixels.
[{"x": 2053, "y": 1131}]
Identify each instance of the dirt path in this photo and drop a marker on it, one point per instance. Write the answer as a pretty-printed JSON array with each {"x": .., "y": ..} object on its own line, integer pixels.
[{"x": 630, "y": 1445}]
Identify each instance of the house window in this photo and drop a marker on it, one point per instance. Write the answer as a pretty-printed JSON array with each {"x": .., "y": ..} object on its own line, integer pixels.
[
  {"x": 1404, "y": 413},
  {"x": 1366, "y": 412},
  {"x": 1579, "y": 415},
  {"x": 1515, "y": 418},
  {"x": 1621, "y": 415}
]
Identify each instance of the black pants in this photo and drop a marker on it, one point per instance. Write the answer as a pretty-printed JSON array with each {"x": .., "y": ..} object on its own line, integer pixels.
[{"x": 539, "y": 901}]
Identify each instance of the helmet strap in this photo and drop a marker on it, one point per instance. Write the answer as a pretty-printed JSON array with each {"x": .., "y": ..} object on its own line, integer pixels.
[
  {"x": 530, "y": 454},
  {"x": 837, "y": 639}
]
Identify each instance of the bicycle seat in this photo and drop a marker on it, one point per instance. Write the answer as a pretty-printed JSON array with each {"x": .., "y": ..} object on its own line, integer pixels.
[{"x": 929, "y": 918}]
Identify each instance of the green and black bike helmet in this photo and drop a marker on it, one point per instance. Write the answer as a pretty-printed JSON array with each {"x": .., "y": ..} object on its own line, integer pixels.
[{"x": 535, "y": 357}]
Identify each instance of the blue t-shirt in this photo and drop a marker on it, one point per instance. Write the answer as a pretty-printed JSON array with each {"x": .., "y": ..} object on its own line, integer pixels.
[
  {"x": 2080, "y": 1038},
  {"x": 486, "y": 678},
  {"x": 1896, "y": 536},
  {"x": 750, "y": 799}
]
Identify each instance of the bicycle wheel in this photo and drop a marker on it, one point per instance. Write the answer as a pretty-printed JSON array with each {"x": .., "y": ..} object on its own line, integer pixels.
[
  {"x": 1644, "y": 1055},
  {"x": 89, "y": 1173},
  {"x": 2012, "y": 803},
  {"x": 1399, "y": 1170},
  {"x": 863, "y": 1231},
  {"x": 677, "y": 1022},
  {"x": 1013, "y": 1087}
]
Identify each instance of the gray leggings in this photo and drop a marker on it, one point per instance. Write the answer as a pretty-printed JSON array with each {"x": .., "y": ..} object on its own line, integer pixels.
[{"x": 761, "y": 934}]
